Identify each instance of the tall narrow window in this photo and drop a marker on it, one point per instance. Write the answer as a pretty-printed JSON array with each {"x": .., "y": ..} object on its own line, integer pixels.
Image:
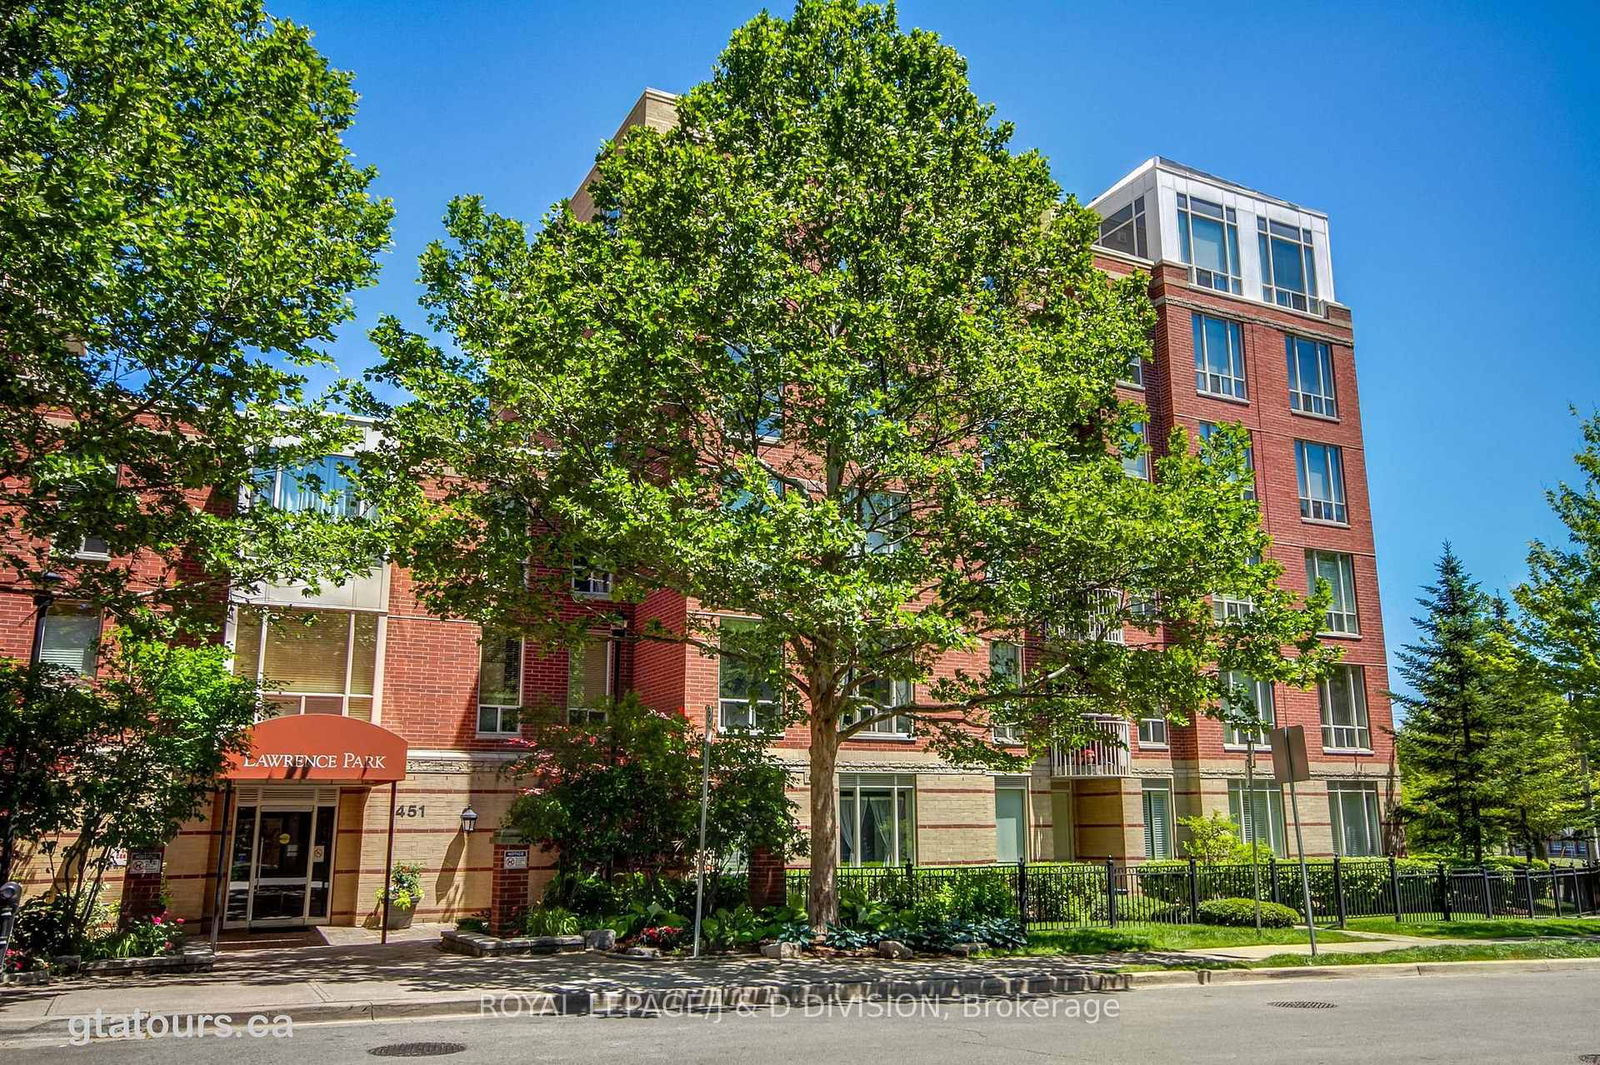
[
  {"x": 746, "y": 697},
  {"x": 1124, "y": 230},
  {"x": 1311, "y": 377},
  {"x": 1005, "y": 667},
  {"x": 1339, "y": 571},
  {"x": 1208, "y": 240},
  {"x": 499, "y": 684},
  {"x": 1344, "y": 710},
  {"x": 1136, "y": 454},
  {"x": 71, "y": 631},
  {"x": 1219, "y": 357},
  {"x": 1320, "y": 470},
  {"x": 1209, "y": 429},
  {"x": 589, "y": 673},
  {"x": 1288, "y": 265},
  {"x": 1011, "y": 819},
  {"x": 1258, "y": 814},
  {"x": 1353, "y": 813},
  {"x": 1248, "y": 699},
  {"x": 1157, "y": 802}
]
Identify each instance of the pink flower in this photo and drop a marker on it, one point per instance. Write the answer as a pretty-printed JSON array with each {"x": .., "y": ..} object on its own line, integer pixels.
[{"x": 155, "y": 920}]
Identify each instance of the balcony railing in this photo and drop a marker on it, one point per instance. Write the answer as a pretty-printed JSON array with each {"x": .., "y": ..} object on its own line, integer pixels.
[{"x": 1104, "y": 756}]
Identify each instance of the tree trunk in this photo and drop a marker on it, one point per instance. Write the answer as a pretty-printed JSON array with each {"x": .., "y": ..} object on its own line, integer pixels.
[{"x": 822, "y": 898}]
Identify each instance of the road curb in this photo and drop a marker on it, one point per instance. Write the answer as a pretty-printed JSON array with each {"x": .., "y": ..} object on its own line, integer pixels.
[{"x": 1191, "y": 977}]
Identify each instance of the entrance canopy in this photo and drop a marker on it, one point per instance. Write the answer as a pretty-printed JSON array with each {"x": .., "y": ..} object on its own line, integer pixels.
[{"x": 320, "y": 748}]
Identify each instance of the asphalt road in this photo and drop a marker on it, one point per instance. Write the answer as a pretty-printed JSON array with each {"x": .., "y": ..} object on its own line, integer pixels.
[{"x": 1513, "y": 1018}]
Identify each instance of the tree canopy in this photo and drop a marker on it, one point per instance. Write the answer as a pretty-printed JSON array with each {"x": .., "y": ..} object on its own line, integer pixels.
[
  {"x": 181, "y": 226},
  {"x": 831, "y": 357}
]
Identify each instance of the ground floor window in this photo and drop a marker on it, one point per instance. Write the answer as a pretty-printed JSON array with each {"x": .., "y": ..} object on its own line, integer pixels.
[
  {"x": 1157, "y": 818},
  {"x": 877, "y": 819},
  {"x": 1353, "y": 813},
  {"x": 1259, "y": 814},
  {"x": 1011, "y": 819}
]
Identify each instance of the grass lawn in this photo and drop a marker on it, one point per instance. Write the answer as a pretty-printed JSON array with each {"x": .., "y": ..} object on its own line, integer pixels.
[
  {"x": 1160, "y": 937},
  {"x": 1499, "y": 928},
  {"x": 1545, "y": 948}
]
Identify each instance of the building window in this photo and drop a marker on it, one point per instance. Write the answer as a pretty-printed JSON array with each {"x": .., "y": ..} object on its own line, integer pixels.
[
  {"x": 590, "y": 583},
  {"x": 1124, "y": 230},
  {"x": 499, "y": 684},
  {"x": 882, "y": 517},
  {"x": 1135, "y": 374},
  {"x": 1209, "y": 429},
  {"x": 1005, "y": 667},
  {"x": 1248, "y": 699},
  {"x": 1136, "y": 454},
  {"x": 1320, "y": 469},
  {"x": 1353, "y": 812},
  {"x": 1208, "y": 240},
  {"x": 882, "y": 694},
  {"x": 310, "y": 661},
  {"x": 1344, "y": 710},
  {"x": 320, "y": 486},
  {"x": 746, "y": 698},
  {"x": 1011, "y": 819},
  {"x": 1219, "y": 357},
  {"x": 1152, "y": 732},
  {"x": 1157, "y": 801},
  {"x": 1311, "y": 388},
  {"x": 1259, "y": 815},
  {"x": 71, "y": 636},
  {"x": 589, "y": 673},
  {"x": 1339, "y": 571},
  {"x": 877, "y": 819},
  {"x": 761, "y": 405},
  {"x": 93, "y": 549},
  {"x": 1288, "y": 266}
]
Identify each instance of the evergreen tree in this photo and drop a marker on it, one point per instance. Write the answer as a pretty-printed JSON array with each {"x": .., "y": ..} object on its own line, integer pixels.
[
  {"x": 1534, "y": 761},
  {"x": 1446, "y": 748}
]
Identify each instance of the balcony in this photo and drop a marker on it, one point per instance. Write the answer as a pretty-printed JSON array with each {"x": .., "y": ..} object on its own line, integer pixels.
[{"x": 1104, "y": 756}]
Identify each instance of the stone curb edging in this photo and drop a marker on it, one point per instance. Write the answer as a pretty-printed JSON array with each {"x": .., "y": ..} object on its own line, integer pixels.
[{"x": 1192, "y": 977}]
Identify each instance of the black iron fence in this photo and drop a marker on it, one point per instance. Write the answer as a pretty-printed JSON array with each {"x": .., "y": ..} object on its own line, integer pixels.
[{"x": 1171, "y": 892}]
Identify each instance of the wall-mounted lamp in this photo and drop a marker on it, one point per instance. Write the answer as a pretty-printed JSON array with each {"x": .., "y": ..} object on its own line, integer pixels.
[{"x": 469, "y": 819}]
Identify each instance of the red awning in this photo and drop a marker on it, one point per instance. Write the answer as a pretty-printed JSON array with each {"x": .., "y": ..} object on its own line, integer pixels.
[{"x": 320, "y": 748}]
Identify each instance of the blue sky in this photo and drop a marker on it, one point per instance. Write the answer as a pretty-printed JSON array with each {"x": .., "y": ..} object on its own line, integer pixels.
[{"x": 1453, "y": 147}]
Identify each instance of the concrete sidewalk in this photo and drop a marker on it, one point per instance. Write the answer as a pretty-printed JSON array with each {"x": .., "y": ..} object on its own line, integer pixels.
[
  {"x": 417, "y": 978},
  {"x": 1369, "y": 943}
]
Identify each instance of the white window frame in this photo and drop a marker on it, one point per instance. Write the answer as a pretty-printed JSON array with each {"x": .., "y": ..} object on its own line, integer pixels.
[
  {"x": 1335, "y": 508},
  {"x": 1354, "y": 735},
  {"x": 898, "y": 727},
  {"x": 1137, "y": 465},
  {"x": 583, "y": 710},
  {"x": 501, "y": 711},
  {"x": 1268, "y": 799},
  {"x": 1339, "y": 792},
  {"x": 1130, "y": 216},
  {"x": 89, "y": 652},
  {"x": 1343, "y": 617},
  {"x": 1228, "y": 218},
  {"x": 280, "y": 698},
  {"x": 1319, "y": 398},
  {"x": 1208, "y": 428},
  {"x": 742, "y": 714},
  {"x": 905, "y": 850},
  {"x": 1227, "y": 380},
  {"x": 1266, "y": 708},
  {"x": 884, "y": 519},
  {"x": 1268, "y": 230},
  {"x": 1150, "y": 728},
  {"x": 1017, "y": 784},
  {"x": 1156, "y": 849},
  {"x": 274, "y": 494},
  {"x": 1009, "y": 735},
  {"x": 588, "y": 583}
]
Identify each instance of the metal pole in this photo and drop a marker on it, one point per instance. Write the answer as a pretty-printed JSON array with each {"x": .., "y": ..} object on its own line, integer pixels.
[
  {"x": 224, "y": 864},
  {"x": 700, "y": 852},
  {"x": 1250, "y": 790},
  {"x": 388, "y": 862},
  {"x": 1305, "y": 872}
]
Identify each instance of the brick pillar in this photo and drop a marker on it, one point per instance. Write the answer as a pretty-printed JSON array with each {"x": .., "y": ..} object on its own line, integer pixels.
[
  {"x": 767, "y": 887},
  {"x": 508, "y": 892},
  {"x": 141, "y": 884}
]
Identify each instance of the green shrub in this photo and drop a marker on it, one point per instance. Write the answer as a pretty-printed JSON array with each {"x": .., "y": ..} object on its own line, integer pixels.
[
  {"x": 1242, "y": 912},
  {"x": 842, "y": 938},
  {"x": 475, "y": 922},
  {"x": 550, "y": 921},
  {"x": 405, "y": 887},
  {"x": 727, "y": 929}
]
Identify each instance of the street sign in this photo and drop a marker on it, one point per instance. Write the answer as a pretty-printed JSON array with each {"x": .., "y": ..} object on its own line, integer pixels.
[{"x": 1289, "y": 760}]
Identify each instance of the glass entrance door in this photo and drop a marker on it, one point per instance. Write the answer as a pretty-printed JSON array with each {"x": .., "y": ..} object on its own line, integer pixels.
[{"x": 281, "y": 868}]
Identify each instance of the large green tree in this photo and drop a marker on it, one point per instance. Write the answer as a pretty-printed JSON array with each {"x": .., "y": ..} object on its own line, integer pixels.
[
  {"x": 834, "y": 358},
  {"x": 181, "y": 225},
  {"x": 1447, "y": 741}
]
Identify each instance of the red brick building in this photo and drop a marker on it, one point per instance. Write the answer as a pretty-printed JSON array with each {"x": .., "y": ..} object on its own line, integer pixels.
[{"x": 1248, "y": 332}]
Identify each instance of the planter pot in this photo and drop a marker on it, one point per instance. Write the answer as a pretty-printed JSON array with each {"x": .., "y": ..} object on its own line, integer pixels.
[{"x": 399, "y": 917}]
